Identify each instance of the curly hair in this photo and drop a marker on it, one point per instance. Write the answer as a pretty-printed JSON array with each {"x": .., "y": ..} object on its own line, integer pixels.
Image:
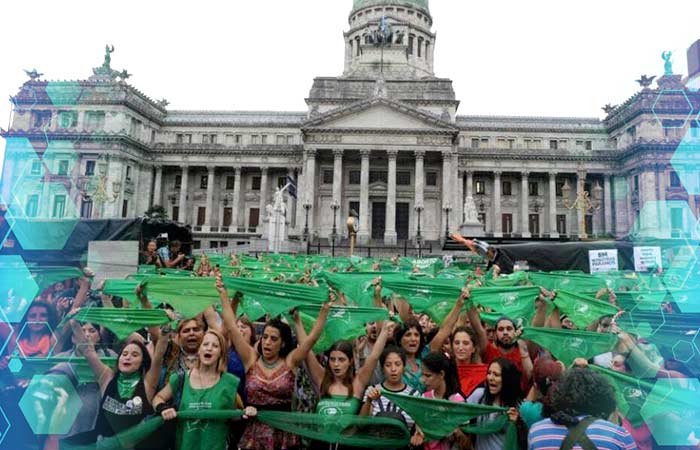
[
  {"x": 581, "y": 392},
  {"x": 407, "y": 325}
]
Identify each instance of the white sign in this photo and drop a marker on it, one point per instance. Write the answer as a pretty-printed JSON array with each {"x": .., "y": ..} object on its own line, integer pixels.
[
  {"x": 602, "y": 260},
  {"x": 646, "y": 257},
  {"x": 113, "y": 259}
]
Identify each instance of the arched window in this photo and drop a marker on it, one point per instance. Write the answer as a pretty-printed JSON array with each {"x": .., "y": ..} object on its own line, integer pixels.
[
  {"x": 357, "y": 45},
  {"x": 411, "y": 39},
  {"x": 420, "y": 46}
]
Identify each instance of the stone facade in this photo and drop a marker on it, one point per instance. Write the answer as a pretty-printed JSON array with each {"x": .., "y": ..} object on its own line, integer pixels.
[{"x": 384, "y": 139}]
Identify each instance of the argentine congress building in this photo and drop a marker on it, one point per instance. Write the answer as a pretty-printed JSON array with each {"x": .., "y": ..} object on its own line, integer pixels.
[{"x": 384, "y": 139}]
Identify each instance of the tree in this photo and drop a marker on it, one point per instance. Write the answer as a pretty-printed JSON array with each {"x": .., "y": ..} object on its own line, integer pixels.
[{"x": 156, "y": 212}]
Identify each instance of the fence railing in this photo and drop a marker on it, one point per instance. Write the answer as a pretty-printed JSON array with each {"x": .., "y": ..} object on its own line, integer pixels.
[{"x": 407, "y": 249}]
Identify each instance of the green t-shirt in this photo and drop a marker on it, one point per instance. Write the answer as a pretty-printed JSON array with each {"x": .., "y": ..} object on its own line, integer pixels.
[
  {"x": 338, "y": 405},
  {"x": 204, "y": 434}
]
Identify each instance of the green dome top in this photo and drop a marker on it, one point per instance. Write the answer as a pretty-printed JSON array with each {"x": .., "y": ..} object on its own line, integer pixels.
[{"x": 418, "y": 4}]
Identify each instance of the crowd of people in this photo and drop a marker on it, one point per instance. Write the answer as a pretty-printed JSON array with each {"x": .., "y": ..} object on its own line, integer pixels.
[{"x": 221, "y": 360}]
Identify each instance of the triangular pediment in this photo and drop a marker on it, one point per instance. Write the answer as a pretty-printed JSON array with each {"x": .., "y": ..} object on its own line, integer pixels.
[{"x": 378, "y": 113}]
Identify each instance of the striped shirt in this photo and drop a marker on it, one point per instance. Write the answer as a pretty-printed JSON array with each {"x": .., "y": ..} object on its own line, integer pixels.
[{"x": 545, "y": 435}]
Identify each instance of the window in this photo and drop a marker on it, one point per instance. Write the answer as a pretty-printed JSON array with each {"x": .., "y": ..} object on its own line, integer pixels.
[
  {"x": 68, "y": 119},
  {"x": 411, "y": 39},
  {"x": 355, "y": 206},
  {"x": 36, "y": 168},
  {"x": 63, "y": 168},
  {"x": 86, "y": 208},
  {"x": 178, "y": 181},
  {"x": 475, "y": 142},
  {"x": 201, "y": 215},
  {"x": 420, "y": 46},
  {"x": 255, "y": 184},
  {"x": 480, "y": 187},
  {"x": 281, "y": 182},
  {"x": 676, "y": 221},
  {"x": 213, "y": 244},
  {"x": 95, "y": 120},
  {"x": 212, "y": 138},
  {"x": 378, "y": 176},
  {"x": 290, "y": 139},
  {"x": 135, "y": 128},
  {"x": 176, "y": 214},
  {"x": 153, "y": 136},
  {"x": 354, "y": 177},
  {"x": 533, "y": 188},
  {"x": 562, "y": 145},
  {"x": 196, "y": 245},
  {"x": 41, "y": 119},
  {"x": 255, "y": 139},
  {"x": 223, "y": 244},
  {"x": 228, "y": 216},
  {"x": 32, "y": 206},
  {"x": 631, "y": 132},
  {"x": 327, "y": 177},
  {"x": 239, "y": 139},
  {"x": 508, "y": 143},
  {"x": 179, "y": 139},
  {"x": 89, "y": 168},
  {"x": 253, "y": 219},
  {"x": 403, "y": 178},
  {"x": 553, "y": 144},
  {"x": 589, "y": 145},
  {"x": 506, "y": 188},
  {"x": 203, "y": 181},
  {"x": 128, "y": 173},
  {"x": 125, "y": 208},
  {"x": 188, "y": 139},
  {"x": 507, "y": 223},
  {"x": 431, "y": 178},
  {"x": 230, "y": 182},
  {"x": 561, "y": 223},
  {"x": 534, "y": 223},
  {"x": 484, "y": 143},
  {"x": 280, "y": 139},
  {"x": 263, "y": 139},
  {"x": 675, "y": 179},
  {"x": 59, "y": 206},
  {"x": 635, "y": 182},
  {"x": 559, "y": 189}
]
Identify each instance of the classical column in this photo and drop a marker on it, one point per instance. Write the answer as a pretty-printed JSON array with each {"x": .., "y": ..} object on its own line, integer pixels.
[
  {"x": 420, "y": 184},
  {"x": 236, "y": 200},
  {"x": 263, "y": 198},
  {"x": 211, "y": 170},
  {"x": 363, "y": 233},
  {"x": 553, "y": 233},
  {"x": 524, "y": 204},
  {"x": 607, "y": 204},
  {"x": 310, "y": 179},
  {"x": 497, "y": 223},
  {"x": 580, "y": 214},
  {"x": 457, "y": 187},
  {"x": 460, "y": 197},
  {"x": 631, "y": 215},
  {"x": 301, "y": 197},
  {"x": 157, "y": 186},
  {"x": 619, "y": 191},
  {"x": 338, "y": 185},
  {"x": 182, "y": 214},
  {"x": 291, "y": 201},
  {"x": 390, "y": 219},
  {"x": 7, "y": 178},
  {"x": 447, "y": 196}
]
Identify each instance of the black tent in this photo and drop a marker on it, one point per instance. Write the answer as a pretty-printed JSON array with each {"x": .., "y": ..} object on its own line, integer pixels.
[{"x": 74, "y": 253}]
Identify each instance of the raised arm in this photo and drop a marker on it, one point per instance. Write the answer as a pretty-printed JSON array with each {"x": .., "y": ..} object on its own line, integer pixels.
[
  {"x": 103, "y": 374},
  {"x": 365, "y": 373},
  {"x": 316, "y": 370},
  {"x": 244, "y": 349},
  {"x": 299, "y": 354},
  {"x": 475, "y": 322},
  {"x": 153, "y": 374},
  {"x": 154, "y": 331},
  {"x": 540, "y": 310},
  {"x": 449, "y": 322}
]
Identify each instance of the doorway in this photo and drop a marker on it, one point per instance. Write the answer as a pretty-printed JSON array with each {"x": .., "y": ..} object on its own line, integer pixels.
[{"x": 378, "y": 220}]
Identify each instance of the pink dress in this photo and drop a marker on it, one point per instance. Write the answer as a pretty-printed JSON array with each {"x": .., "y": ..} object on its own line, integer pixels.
[
  {"x": 268, "y": 392},
  {"x": 445, "y": 443}
]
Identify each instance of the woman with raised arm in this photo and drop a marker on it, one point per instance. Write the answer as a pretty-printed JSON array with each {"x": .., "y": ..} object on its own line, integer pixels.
[
  {"x": 270, "y": 371},
  {"x": 206, "y": 386}
]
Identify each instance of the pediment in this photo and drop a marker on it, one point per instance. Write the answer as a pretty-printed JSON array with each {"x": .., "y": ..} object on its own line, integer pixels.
[{"x": 378, "y": 114}]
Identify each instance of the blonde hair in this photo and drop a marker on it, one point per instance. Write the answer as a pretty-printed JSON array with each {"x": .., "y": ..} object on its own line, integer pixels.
[{"x": 222, "y": 364}]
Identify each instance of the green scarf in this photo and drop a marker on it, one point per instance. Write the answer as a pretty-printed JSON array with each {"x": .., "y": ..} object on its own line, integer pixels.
[
  {"x": 357, "y": 286},
  {"x": 122, "y": 321},
  {"x": 439, "y": 418},
  {"x": 126, "y": 384},
  {"x": 581, "y": 309},
  {"x": 187, "y": 295},
  {"x": 631, "y": 393},
  {"x": 568, "y": 345},
  {"x": 122, "y": 288},
  {"x": 573, "y": 282},
  {"x": 38, "y": 366}
]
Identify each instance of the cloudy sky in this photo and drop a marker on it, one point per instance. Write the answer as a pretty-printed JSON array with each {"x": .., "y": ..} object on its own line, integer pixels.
[{"x": 511, "y": 57}]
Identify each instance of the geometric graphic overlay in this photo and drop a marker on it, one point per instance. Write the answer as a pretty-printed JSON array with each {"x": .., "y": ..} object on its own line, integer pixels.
[
  {"x": 4, "y": 425},
  {"x": 686, "y": 161},
  {"x": 17, "y": 287},
  {"x": 50, "y": 404},
  {"x": 36, "y": 327},
  {"x": 664, "y": 105},
  {"x": 671, "y": 411}
]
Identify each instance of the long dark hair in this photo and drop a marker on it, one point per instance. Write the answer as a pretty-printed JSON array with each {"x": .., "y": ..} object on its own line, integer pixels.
[
  {"x": 437, "y": 362},
  {"x": 285, "y": 335},
  {"x": 402, "y": 330},
  {"x": 346, "y": 348},
  {"x": 511, "y": 392},
  {"x": 50, "y": 312}
]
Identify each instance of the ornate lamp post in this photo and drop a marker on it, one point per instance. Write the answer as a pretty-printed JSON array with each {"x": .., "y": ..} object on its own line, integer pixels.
[
  {"x": 334, "y": 234},
  {"x": 419, "y": 210},
  {"x": 95, "y": 187},
  {"x": 447, "y": 208},
  {"x": 307, "y": 207},
  {"x": 583, "y": 203}
]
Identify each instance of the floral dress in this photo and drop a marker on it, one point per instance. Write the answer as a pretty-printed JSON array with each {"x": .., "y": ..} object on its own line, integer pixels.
[{"x": 269, "y": 392}]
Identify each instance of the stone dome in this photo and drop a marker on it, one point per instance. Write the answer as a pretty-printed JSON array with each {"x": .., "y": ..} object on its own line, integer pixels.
[{"x": 418, "y": 4}]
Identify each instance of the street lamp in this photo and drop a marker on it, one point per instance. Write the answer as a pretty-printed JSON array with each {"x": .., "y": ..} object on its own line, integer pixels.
[
  {"x": 419, "y": 210},
  {"x": 447, "y": 208},
  {"x": 582, "y": 203},
  {"x": 334, "y": 234},
  {"x": 307, "y": 207}
]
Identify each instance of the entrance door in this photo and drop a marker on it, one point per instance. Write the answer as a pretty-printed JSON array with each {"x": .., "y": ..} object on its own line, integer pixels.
[
  {"x": 402, "y": 221},
  {"x": 378, "y": 219}
]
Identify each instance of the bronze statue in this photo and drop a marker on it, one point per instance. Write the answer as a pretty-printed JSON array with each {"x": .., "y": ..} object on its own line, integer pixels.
[
  {"x": 108, "y": 55},
  {"x": 33, "y": 74},
  {"x": 668, "y": 65},
  {"x": 608, "y": 108}
]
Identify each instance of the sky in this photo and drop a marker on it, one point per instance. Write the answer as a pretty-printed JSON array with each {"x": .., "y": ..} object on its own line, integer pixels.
[{"x": 530, "y": 58}]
